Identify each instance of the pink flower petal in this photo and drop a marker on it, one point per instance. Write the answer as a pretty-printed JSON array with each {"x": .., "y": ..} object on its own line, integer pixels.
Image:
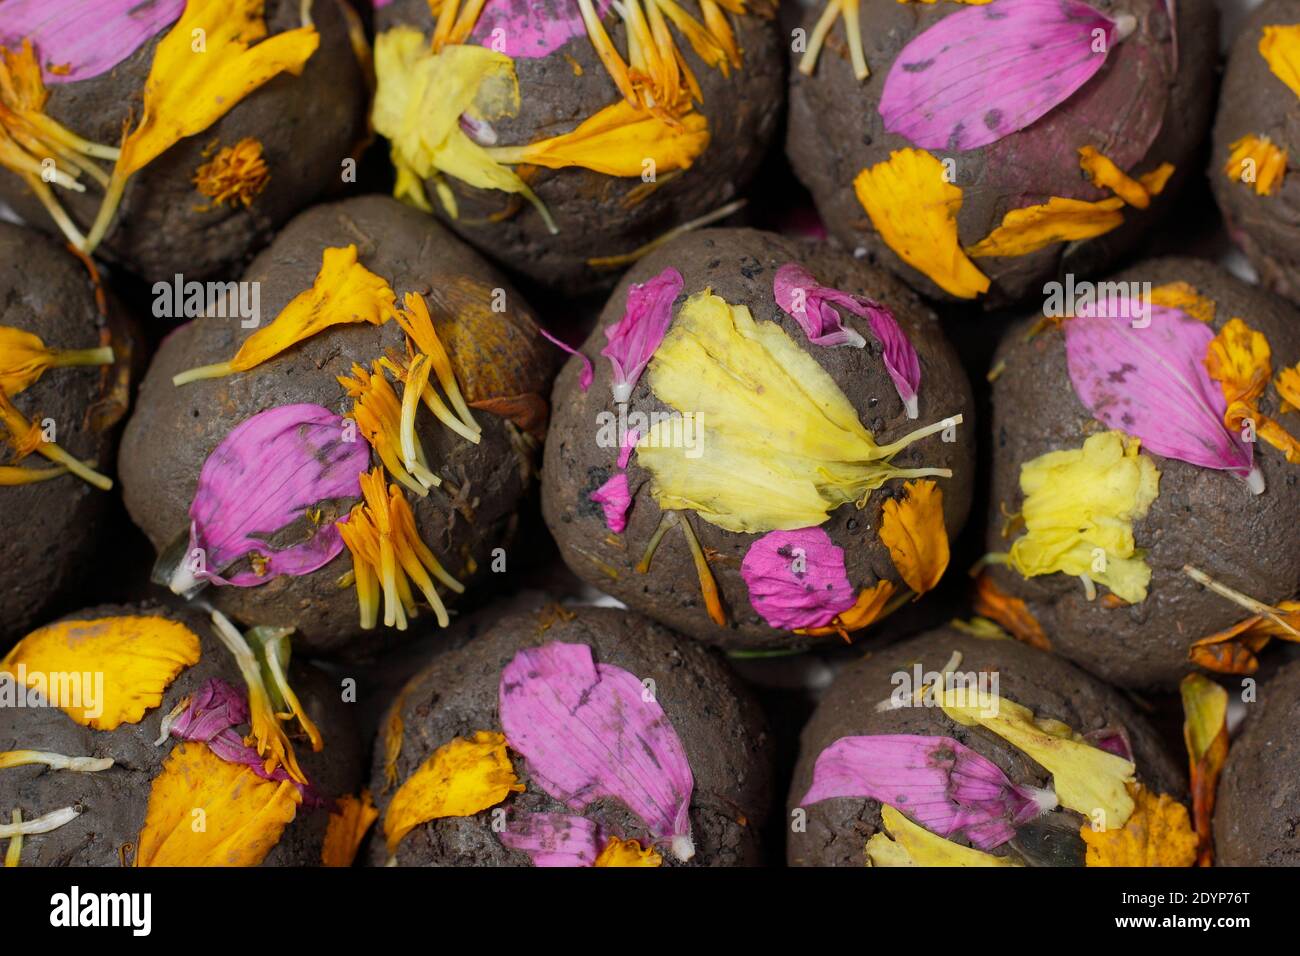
[
  {"x": 554, "y": 839},
  {"x": 797, "y": 578},
  {"x": 984, "y": 72},
  {"x": 264, "y": 476},
  {"x": 901, "y": 361},
  {"x": 592, "y": 730},
  {"x": 634, "y": 338},
  {"x": 614, "y": 498},
  {"x": 630, "y": 438},
  {"x": 935, "y": 781},
  {"x": 1151, "y": 382},
  {"x": 588, "y": 372},
  {"x": 530, "y": 29},
  {"x": 88, "y": 38}
]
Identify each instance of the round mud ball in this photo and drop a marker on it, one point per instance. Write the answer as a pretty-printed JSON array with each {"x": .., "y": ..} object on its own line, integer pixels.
[
  {"x": 952, "y": 750},
  {"x": 122, "y": 727},
  {"x": 180, "y": 137},
  {"x": 1256, "y": 132},
  {"x": 562, "y": 153},
  {"x": 774, "y": 450},
  {"x": 277, "y": 473},
  {"x": 1254, "y": 820},
  {"x": 1145, "y": 487},
  {"x": 571, "y": 737},
  {"x": 65, "y": 376},
  {"x": 978, "y": 151}
]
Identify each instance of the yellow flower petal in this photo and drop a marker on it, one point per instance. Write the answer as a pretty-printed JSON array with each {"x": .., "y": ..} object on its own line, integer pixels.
[
  {"x": 1258, "y": 162},
  {"x": 24, "y": 358},
  {"x": 1080, "y": 505},
  {"x": 461, "y": 778},
  {"x": 627, "y": 853},
  {"x": 780, "y": 445},
  {"x": 1184, "y": 297},
  {"x": 1106, "y": 175},
  {"x": 347, "y": 827},
  {"x": 866, "y": 610},
  {"x": 205, "y": 65},
  {"x": 914, "y": 208},
  {"x": 1280, "y": 46},
  {"x": 236, "y": 175},
  {"x": 1240, "y": 360},
  {"x": 1205, "y": 733},
  {"x": 343, "y": 292},
  {"x": 916, "y": 846},
  {"x": 204, "y": 811},
  {"x": 25, "y": 437},
  {"x": 137, "y": 656},
  {"x": 1157, "y": 834},
  {"x": 914, "y": 533},
  {"x": 1087, "y": 779},
  {"x": 1058, "y": 220}
]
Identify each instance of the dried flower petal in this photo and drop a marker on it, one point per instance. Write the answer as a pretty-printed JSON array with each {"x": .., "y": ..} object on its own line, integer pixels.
[
  {"x": 785, "y": 445},
  {"x": 1011, "y": 612},
  {"x": 531, "y": 29},
  {"x": 796, "y": 579},
  {"x": 138, "y": 656},
  {"x": 1280, "y": 47},
  {"x": 628, "y": 853},
  {"x": 588, "y": 371},
  {"x": 941, "y": 784},
  {"x": 914, "y": 532},
  {"x": 31, "y": 758},
  {"x": 85, "y": 40},
  {"x": 1240, "y": 360},
  {"x": 1184, "y": 297},
  {"x": 915, "y": 846},
  {"x": 592, "y": 730},
  {"x": 1104, "y": 174},
  {"x": 1256, "y": 161},
  {"x": 244, "y": 816},
  {"x": 271, "y": 472},
  {"x": 347, "y": 827},
  {"x": 25, "y": 437},
  {"x": 459, "y": 779},
  {"x": 981, "y": 74},
  {"x": 1147, "y": 377},
  {"x": 1032, "y": 228},
  {"x": 1087, "y": 779},
  {"x": 1157, "y": 834},
  {"x": 1287, "y": 384},
  {"x": 813, "y": 306},
  {"x": 869, "y": 607},
  {"x": 1080, "y": 505},
  {"x": 614, "y": 498},
  {"x": 632, "y": 340},
  {"x": 235, "y": 175},
  {"x": 1205, "y": 732},
  {"x": 554, "y": 839},
  {"x": 191, "y": 87},
  {"x": 24, "y": 358},
  {"x": 344, "y": 291},
  {"x": 379, "y": 415},
  {"x": 914, "y": 208}
]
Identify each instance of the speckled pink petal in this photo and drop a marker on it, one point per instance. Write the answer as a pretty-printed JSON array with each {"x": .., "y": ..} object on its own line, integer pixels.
[
  {"x": 632, "y": 340},
  {"x": 935, "y": 781},
  {"x": 614, "y": 499},
  {"x": 797, "y": 578},
  {"x": 588, "y": 372},
  {"x": 593, "y": 730},
  {"x": 530, "y": 29},
  {"x": 554, "y": 839},
  {"x": 264, "y": 476},
  {"x": 86, "y": 38},
  {"x": 1152, "y": 383},
  {"x": 984, "y": 72}
]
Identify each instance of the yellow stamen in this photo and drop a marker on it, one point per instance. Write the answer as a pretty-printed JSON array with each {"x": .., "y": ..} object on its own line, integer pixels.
[
  {"x": 708, "y": 586},
  {"x": 378, "y": 413},
  {"x": 235, "y": 175},
  {"x": 28, "y": 758},
  {"x": 817, "y": 39},
  {"x": 418, "y": 326}
]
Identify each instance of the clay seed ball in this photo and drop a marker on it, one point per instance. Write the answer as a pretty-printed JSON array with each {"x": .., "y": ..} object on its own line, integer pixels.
[
  {"x": 1136, "y": 509},
  {"x": 1256, "y": 131},
  {"x": 571, "y": 737},
  {"x": 1257, "y": 801},
  {"x": 769, "y": 453},
  {"x": 1070, "y": 774},
  {"x": 978, "y": 150},
  {"x": 550, "y": 164},
  {"x": 217, "y": 157},
  {"x": 65, "y": 378},
  {"x": 117, "y": 723},
  {"x": 256, "y": 468}
]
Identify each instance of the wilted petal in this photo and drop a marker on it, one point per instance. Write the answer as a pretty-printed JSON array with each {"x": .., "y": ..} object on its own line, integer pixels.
[
  {"x": 1151, "y": 382},
  {"x": 634, "y": 338},
  {"x": 268, "y": 473},
  {"x": 985, "y": 72},
  {"x": 812, "y": 305},
  {"x": 592, "y": 730},
  {"x": 941, "y": 784},
  {"x": 614, "y": 499},
  {"x": 554, "y": 839},
  {"x": 797, "y": 578},
  {"x": 531, "y": 29},
  {"x": 588, "y": 372}
]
